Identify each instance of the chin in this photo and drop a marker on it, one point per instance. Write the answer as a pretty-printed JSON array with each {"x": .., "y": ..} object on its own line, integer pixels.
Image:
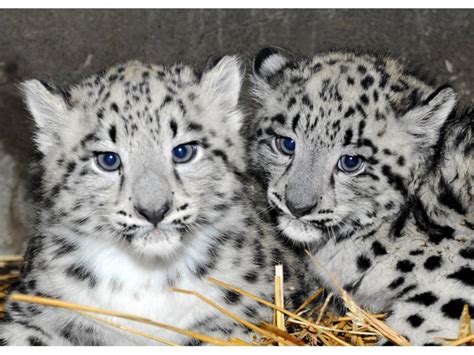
[
  {"x": 299, "y": 231},
  {"x": 158, "y": 244}
]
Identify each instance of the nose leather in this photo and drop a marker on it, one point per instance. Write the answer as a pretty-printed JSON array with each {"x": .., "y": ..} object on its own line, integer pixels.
[
  {"x": 154, "y": 216},
  {"x": 299, "y": 211}
]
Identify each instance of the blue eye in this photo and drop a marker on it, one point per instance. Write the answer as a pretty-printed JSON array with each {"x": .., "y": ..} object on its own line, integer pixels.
[
  {"x": 286, "y": 145},
  {"x": 351, "y": 164},
  {"x": 108, "y": 161},
  {"x": 184, "y": 153}
]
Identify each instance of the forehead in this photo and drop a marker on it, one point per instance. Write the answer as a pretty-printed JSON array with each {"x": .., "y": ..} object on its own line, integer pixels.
[
  {"x": 133, "y": 83},
  {"x": 137, "y": 96},
  {"x": 325, "y": 95}
]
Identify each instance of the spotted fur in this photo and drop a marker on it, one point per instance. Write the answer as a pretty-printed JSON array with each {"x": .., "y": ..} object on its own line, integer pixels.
[
  {"x": 398, "y": 235},
  {"x": 94, "y": 245}
]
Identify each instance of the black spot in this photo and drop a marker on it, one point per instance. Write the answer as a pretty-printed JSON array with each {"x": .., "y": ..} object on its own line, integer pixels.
[
  {"x": 367, "y": 81},
  {"x": 114, "y": 107},
  {"x": 361, "y": 69},
  {"x": 34, "y": 341},
  {"x": 361, "y": 128},
  {"x": 425, "y": 298},
  {"x": 193, "y": 126},
  {"x": 166, "y": 100},
  {"x": 71, "y": 166},
  {"x": 415, "y": 320},
  {"x": 405, "y": 265},
  {"x": 81, "y": 273},
  {"x": 174, "y": 127},
  {"x": 363, "y": 263},
  {"x": 416, "y": 252},
  {"x": 378, "y": 249},
  {"x": 350, "y": 111},
  {"x": 396, "y": 283},
  {"x": 113, "y": 133},
  {"x": 465, "y": 274},
  {"x": 3, "y": 342},
  {"x": 350, "y": 80},
  {"x": 251, "y": 276},
  {"x": 401, "y": 160},
  {"x": 232, "y": 297},
  {"x": 453, "y": 308},
  {"x": 194, "y": 342},
  {"x": 433, "y": 262},
  {"x": 306, "y": 101},
  {"x": 365, "y": 99},
  {"x": 291, "y": 102},
  {"x": 279, "y": 118},
  {"x": 467, "y": 253},
  {"x": 220, "y": 153},
  {"x": 347, "y": 137}
]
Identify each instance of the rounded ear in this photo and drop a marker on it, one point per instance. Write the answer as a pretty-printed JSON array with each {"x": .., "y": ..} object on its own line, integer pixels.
[
  {"x": 48, "y": 106},
  {"x": 424, "y": 122},
  {"x": 269, "y": 61},
  {"x": 222, "y": 81}
]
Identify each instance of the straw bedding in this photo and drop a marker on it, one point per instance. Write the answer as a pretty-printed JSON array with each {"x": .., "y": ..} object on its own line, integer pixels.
[{"x": 310, "y": 324}]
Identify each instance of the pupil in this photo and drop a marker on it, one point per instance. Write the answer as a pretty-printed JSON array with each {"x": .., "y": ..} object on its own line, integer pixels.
[
  {"x": 180, "y": 151},
  {"x": 351, "y": 161},
  {"x": 289, "y": 144},
  {"x": 110, "y": 159}
]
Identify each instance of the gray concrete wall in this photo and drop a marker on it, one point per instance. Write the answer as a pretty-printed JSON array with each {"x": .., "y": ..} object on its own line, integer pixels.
[{"x": 68, "y": 44}]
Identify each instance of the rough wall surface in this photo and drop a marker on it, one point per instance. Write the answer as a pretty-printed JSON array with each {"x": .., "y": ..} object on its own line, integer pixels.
[{"x": 65, "y": 45}]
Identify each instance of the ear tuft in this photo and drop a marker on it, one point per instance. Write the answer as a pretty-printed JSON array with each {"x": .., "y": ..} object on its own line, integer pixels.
[
  {"x": 269, "y": 61},
  {"x": 222, "y": 81},
  {"x": 48, "y": 108}
]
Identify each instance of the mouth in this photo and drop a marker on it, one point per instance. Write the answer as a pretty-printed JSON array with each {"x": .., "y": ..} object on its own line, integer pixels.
[{"x": 299, "y": 230}]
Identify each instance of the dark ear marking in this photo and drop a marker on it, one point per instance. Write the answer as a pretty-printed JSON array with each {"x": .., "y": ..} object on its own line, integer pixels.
[
  {"x": 261, "y": 56},
  {"x": 212, "y": 61},
  {"x": 263, "y": 67},
  {"x": 435, "y": 93},
  {"x": 55, "y": 90}
]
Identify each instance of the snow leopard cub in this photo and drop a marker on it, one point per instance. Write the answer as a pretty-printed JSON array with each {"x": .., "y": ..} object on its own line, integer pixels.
[
  {"x": 372, "y": 169},
  {"x": 141, "y": 188}
]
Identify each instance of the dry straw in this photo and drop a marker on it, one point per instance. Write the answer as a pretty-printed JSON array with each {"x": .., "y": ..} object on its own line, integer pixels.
[{"x": 312, "y": 323}]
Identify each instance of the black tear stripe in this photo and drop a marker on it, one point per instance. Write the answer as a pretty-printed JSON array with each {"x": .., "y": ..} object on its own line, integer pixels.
[{"x": 465, "y": 275}]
